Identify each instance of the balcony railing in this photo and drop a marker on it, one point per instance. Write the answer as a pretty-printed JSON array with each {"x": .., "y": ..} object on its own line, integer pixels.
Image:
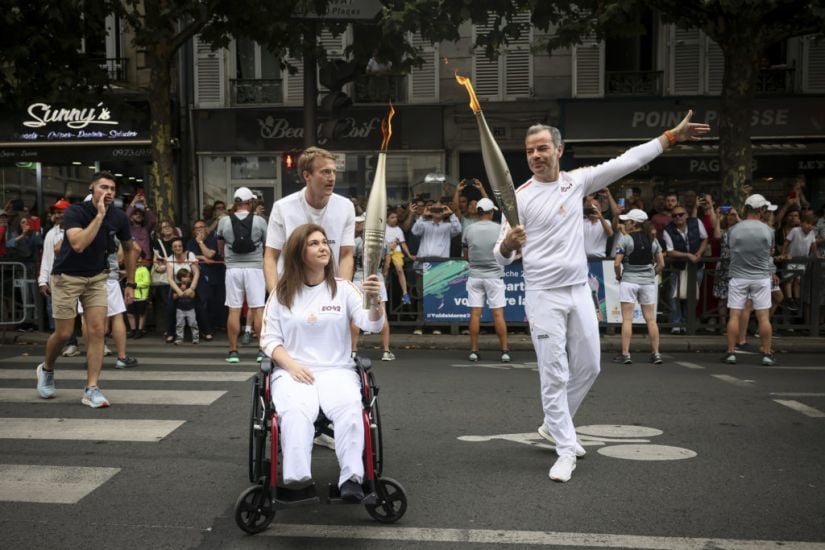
[
  {"x": 115, "y": 67},
  {"x": 778, "y": 80},
  {"x": 380, "y": 88},
  {"x": 633, "y": 83},
  {"x": 256, "y": 91}
]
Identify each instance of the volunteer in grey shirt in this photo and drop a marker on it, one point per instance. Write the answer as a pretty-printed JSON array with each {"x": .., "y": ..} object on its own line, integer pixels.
[
  {"x": 752, "y": 274},
  {"x": 243, "y": 254},
  {"x": 638, "y": 260},
  {"x": 486, "y": 280}
]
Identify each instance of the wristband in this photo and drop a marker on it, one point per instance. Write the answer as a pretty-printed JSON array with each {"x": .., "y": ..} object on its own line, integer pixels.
[{"x": 671, "y": 138}]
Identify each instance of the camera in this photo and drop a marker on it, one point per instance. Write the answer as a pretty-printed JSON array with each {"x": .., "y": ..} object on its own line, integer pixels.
[
  {"x": 589, "y": 210},
  {"x": 436, "y": 210},
  {"x": 725, "y": 209}
]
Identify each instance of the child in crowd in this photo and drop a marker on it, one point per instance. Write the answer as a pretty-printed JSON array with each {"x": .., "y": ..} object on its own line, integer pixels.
[
  {"x": 799, "y": 243},
  {"x": 136, "y": 311},
  {"x": 396, "y": 249},
  {"x": 185, "y": 307}
]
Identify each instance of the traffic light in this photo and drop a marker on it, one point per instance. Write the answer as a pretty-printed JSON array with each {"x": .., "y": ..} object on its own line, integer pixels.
[
  {"x": 289, "y": 160},
  {"x": 334, "y": 123}
]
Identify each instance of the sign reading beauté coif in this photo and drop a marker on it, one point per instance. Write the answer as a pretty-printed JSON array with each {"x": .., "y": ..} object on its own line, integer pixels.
[{"x": 348, "y": 10}]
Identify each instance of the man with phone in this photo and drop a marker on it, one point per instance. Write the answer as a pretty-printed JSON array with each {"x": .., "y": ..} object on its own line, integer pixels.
[{"x": 142, "y": 222}]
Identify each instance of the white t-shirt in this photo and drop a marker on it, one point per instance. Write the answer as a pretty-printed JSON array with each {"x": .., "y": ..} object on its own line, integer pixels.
[
  {"x": 337, "y": 218},
  {"x": 435, "y": 237},
  {"x": 799, "y": 244},
  {"x": 392, "y": 234},
  {"x": 315, "y": 332},
  {"x": 551, "y": 213},
  {"x": 54, "y": 236},
  {"x": 595, "y": 239}
]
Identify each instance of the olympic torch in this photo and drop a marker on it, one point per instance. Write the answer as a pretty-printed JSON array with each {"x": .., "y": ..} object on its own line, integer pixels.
[
  {"x": 376, "y": 215},
  {"x": 500, "y": 179}
]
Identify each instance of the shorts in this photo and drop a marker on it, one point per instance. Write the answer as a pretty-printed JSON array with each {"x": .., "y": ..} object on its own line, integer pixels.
[
  {"x": 137, "y": 307},
  {"x": 492, "y": 289},
  {"x": 245, "y": 282},
  {"x": 114, "y": 299},
  {"x": 635, "y": 293},
  {"x": 397, "y": 258},
  {"x": 758, "y": 290},
  {"x": 68, "y": 289},
  {"x": 358, "y": 279}
]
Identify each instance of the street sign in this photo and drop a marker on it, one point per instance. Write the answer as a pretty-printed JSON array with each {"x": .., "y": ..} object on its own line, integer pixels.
[{"x": 346, "y": 10}]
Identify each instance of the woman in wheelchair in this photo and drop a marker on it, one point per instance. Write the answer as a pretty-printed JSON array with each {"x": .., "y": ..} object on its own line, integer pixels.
[{"x": 306, "y": 332}]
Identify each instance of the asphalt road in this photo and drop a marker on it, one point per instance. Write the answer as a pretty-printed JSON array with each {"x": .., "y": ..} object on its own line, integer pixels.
[{"x": 690, "y": 454}]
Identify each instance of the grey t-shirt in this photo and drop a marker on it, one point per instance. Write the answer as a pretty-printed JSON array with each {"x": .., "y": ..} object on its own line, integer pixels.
[
  {"x": 638, "y": 274},
  {"x": 480, "y": 239},
  {"x": 751, "y": 244},
  {"x": 253, "y": 259}
]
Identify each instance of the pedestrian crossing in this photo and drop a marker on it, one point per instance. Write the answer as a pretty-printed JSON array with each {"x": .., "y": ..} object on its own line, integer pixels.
[{"x": 150, "y": 404}]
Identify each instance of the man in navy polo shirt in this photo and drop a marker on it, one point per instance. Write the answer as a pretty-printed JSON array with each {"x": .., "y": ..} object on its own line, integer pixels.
[{"x": 79, "y": 273}]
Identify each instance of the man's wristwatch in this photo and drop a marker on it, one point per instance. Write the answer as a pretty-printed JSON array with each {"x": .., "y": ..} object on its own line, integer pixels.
[{"x": 131, "y": 285}]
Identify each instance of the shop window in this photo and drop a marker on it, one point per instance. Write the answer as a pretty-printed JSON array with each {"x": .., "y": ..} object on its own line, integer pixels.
[{"x": 254, "y": 168}]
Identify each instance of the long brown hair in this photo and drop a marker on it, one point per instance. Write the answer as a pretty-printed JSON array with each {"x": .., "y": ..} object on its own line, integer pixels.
[{"x": 292, "y": 281}]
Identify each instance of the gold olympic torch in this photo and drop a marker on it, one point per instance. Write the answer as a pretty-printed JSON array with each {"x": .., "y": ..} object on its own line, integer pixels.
[
  {"x": 500, "y": 179},
  {"x": 376, "y": 215}
]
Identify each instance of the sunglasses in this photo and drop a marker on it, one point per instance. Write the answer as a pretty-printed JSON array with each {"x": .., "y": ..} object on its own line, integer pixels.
[{"x": 679, "y": 214}]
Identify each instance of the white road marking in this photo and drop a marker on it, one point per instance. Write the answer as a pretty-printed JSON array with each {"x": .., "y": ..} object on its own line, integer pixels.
[
  {"x": 214, "y": 360},
  {"x": 603, "y": 431},
  {"x": 689, "y": 365},
  {"x": 502, "y": 366},
  {"x": 135, "y": 375},
  {"x": 87, "y": 430},
  {"x": 801, "y": 408},
  {"x": 793, "y": 368},
  {"x": 118, "y": 397},
  {"x": 797, "y": 394},
  {"x": 733, "y": 380},
  {"x": 646, "y": 452},
  {"x": 548, "y": 538},
  {"x": 49, "y": 483}
]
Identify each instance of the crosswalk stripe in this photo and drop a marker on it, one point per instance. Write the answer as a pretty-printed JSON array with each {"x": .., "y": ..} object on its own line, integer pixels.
[
  {"x": 87, "y": 430},
  {"x": 109, "y": 362},
  {"x": 135, "y": 375},
  {"x": 50, "y": 483},
  {"x": 118, "y": 397},
  {"x": 801, "y": 408}
]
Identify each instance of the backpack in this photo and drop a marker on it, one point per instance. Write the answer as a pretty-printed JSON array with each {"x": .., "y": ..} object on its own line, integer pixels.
[
  {"x": 242, "y": 229},
  {"x": 642, "y": 249}
]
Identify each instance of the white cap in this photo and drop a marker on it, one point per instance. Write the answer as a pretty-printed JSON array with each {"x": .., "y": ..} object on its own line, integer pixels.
[
  {"x": 636, "y": 215},
  {"x": 360, "y": 219},
  {"x": 486, "y": 205},
  {"x": 243, "y": 194},
  {"x": 757, "y": 201},
  {"x": 88, "y": 198}
]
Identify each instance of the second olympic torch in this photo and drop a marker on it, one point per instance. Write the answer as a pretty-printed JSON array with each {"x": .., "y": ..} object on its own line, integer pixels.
[
  {"x": 500, "y": 179},
  {"x": 376, "y": 214}
]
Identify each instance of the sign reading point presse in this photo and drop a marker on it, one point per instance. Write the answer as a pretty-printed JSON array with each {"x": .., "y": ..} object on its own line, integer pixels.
[{"x": 349, "y": 10}]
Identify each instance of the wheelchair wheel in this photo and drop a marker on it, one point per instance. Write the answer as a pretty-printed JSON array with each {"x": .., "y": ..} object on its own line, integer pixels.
[
  {"x": 257, "y": 437},
  {"x": 392, "y": 501},
  {"x": 253, "y": 510},
  {"x": 378, "y": 441}
]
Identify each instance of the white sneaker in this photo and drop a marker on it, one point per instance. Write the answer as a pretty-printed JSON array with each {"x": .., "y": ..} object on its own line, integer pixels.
[
  {"x": 325, "y": 441},
  {"x": 580, "y": 452},
  {"x": 71, "y": 351},
  {"x": 106, "y": 351},
  {"x": 562, "y": 470},
  {"x": 388, "y": 356}
]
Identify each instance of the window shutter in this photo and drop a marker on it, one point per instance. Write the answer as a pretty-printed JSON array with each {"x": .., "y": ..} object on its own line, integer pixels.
[
  {"x": 209, "y": 75},
  {"x": 714, "y": 67},
  {"x": 486, "y": 76},
  {"x": 517, "y": 66},
  {"x": 423, "y": 81},
  {"x": 294, "y": 82},
  {"x": 685, "y": 61},
  {"x": 588, "y": 68},
  {"x": 813, "y": 65}
]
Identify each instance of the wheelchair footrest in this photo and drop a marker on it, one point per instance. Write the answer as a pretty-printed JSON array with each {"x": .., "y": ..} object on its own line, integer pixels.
[
  {"x": 335, "y": 496},
  {"x": 288, "y": 498}
]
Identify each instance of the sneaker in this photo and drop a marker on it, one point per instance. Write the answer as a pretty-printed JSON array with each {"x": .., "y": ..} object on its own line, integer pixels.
[
  {"x": 580, "y": 452},
  {"x": 623, "y": 358},
  {"x": 768, "y": 360},
  {"x": 505, "y": 356},
  {"x": 125, "y": 362},
  {"x": 790, "y": 304},
  {"x": 405, "y": 299},
  {"x": 139, "y": 334},
  {"x": 196, "y": 341},
  {"x": 388, "y": 356},
  {"x": 418, "y": 332},
  {"x": 71, "y": 351},
  {"x": 93, "y": 397},
  {"x": 106, "y": 351},
  {"x": 233, "y": 357},
  {"x": 729, "y": 358},
  {"x": 260, "y": 357},
  {"x": 675, "y": 330},
  {"x": 324, "y": 440},
  {"x": 745, "y": 349},
  {"x": 656, "y": 358},
  {"x": 562, "y": 470},
  {"x": 351, "y": 491},
  {"x": 179, "y": 341},
  {"x": 246, "y": 338},
  {"x": 45, "y": 382},
  {"x": 473, "y": 356},
  {"x": 437, "y": 332}
]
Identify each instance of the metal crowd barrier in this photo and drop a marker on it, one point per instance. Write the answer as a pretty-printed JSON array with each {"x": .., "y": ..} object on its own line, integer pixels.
[{"x": 15, "y": 300}]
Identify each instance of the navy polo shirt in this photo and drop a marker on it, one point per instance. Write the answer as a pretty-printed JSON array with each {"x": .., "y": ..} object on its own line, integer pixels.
[{"x": 94, "y": 259}]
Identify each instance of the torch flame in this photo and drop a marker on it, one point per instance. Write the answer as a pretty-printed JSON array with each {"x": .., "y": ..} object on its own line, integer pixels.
[
  {"x": 386, "y": 129},
  {"x": 463, "y": 80}
]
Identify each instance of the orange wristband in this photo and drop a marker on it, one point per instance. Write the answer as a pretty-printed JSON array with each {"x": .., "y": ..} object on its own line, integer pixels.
[{"x": 670, "y": 137}]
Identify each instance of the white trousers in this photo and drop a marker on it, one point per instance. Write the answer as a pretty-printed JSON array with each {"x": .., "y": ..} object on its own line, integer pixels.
[
  {"x": 337, "y": 392},
  {"x": 565, "y": 334}
]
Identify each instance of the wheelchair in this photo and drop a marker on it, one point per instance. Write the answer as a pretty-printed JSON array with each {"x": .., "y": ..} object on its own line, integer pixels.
[{"x": 385, "y": 498}]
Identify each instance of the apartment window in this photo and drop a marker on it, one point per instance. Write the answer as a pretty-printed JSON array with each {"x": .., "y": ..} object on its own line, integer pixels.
[{"x": 510, "y": 75}]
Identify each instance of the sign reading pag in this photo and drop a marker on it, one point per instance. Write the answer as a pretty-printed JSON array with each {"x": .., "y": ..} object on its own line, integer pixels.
[{"x": 349, "y": 10}]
